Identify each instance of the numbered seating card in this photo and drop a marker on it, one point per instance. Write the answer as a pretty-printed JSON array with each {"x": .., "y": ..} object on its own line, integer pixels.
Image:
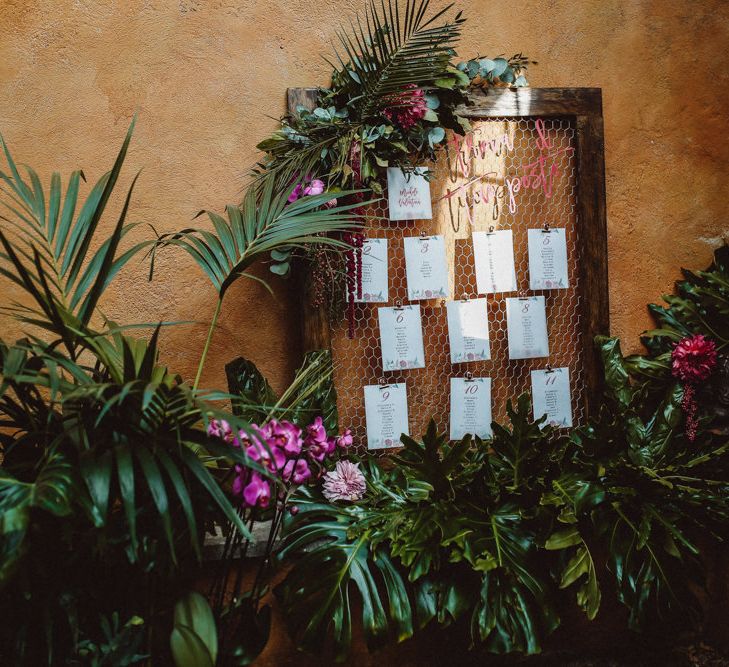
[
  {"x": 470, "y": 407},
  {"x": 408, "y": 194},
  {"x": 551, "y": 396},
  {"x": 526, "y": 323},
  {"x": 548, "y": 259},
  {"x": 426, "y": 268},
  {"x": 468, "y": 331},
  {"x": 374, "y": 271},
  {"x": 401, "y": 338},
  {"x": 386, "y": 412},
  {"x": 493, "y": 254}
]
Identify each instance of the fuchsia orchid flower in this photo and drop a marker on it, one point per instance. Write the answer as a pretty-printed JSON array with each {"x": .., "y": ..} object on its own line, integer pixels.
[{"x": 283, "y": 449}]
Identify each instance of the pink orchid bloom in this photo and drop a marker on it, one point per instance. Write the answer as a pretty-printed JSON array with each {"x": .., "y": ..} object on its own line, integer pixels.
[
  {"x": 315, "y": 187},
  {"x": 296, "y": 471},
  {"x": 257, "y": 492}
]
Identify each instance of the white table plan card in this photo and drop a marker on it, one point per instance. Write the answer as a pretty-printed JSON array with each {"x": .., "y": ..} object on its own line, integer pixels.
[
  {"x": 470, "y": 407},
  {"x": 386, "y": 413},
  {"x": 374, "y": 271},
  {"x": 551, "y": 396},
  {"x": 493, "y": 254},
  {"x": 526, "y": 324},
  {"x": 548, "y": 259},
  {"x": 408, "y": 194},
  {"x": 426, "y": 268},
  {"x": 401, "y": 338},
  {"x": 468, "y": 330}
]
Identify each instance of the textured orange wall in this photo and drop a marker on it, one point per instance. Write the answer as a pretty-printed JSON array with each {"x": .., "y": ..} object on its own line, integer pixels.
[{"x": 206, "y": 76}]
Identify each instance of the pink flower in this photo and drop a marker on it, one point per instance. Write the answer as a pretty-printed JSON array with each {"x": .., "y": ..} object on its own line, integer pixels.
[
  {"x": 257, "y": 492},
  {"x": 296, "y": 471},
  {"x": 315, "y": 187},
  {"x": 331, "y": 203},
  {"x": 287, "y": 436},
  {"x": 316, "y": 440},
  {"x": 221, "y": 429},
  {"x": 295, "y": 193},
  {"x": 268, "y": 454},
  {"x": 407, "y": 108},
  {"x": 693, "y": 359},
  {"x": 345, "y": 440},
  {"x": 345, "y": 482}
]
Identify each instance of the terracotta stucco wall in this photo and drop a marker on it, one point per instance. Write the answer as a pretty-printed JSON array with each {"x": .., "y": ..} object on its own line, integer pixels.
[{"x": 206, "y": 76}]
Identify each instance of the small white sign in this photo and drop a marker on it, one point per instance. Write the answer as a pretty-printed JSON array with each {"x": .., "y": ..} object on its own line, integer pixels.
[
  {"x": 468, "y": 331},
  {"x": 551, "y": 396},
  {"x": 374, "y": 271},
  {"x": 386, "y": 412},
  {"x": 526, "y": 323},
  {"x": 548, "y": 259},
  {"x": 408, "y": 194},
  {"x": 470, "y": 407},
  {"x": 493, "y": 254},
  {"x": 426, "y": 267},
  {"x": 401, "y": 338}
]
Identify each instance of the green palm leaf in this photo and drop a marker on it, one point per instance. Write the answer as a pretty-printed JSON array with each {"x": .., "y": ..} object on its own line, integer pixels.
[
  {"x": 396, "y": 48},
  {"x": 265, "y": 222},
  {"x": 47, "y": 251}
]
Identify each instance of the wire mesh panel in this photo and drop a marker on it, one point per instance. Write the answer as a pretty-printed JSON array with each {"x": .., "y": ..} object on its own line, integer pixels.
[{"x": 516, "y": 174}]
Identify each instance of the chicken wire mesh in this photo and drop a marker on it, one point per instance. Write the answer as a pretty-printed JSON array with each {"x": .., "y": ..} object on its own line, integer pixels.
[{"x": 515, "y": 174}]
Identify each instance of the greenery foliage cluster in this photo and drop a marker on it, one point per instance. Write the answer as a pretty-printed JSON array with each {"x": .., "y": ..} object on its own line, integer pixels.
[
  {"x": 109, "y": 480},
  {"x": 490, "y": 536}
]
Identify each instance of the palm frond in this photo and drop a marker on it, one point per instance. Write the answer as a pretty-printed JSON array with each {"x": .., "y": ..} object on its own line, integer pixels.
[
  {"x": 47, "y": 251},
  {"x": 396, "y": 47},
  {"x": 265, "y": 221}
]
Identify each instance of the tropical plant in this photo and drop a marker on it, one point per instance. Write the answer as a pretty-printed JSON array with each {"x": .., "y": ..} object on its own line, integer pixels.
[
  {"x": 488, "y": 533},
  {"x": 310, "y": 401},
  {"x": 103, "y": 450},
  {"x": 266, "y": 223}
]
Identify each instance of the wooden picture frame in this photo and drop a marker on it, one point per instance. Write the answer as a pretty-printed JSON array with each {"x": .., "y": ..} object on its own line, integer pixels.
[{"x": 584, "y": 107}]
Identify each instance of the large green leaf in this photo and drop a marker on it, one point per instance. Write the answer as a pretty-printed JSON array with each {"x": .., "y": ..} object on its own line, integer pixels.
[
  {"x": 194, "y": 639},
  {"x": 317, "y": 593}
]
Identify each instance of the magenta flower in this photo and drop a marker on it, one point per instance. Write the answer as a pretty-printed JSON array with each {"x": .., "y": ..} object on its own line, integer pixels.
[
  {"x": 407, "y": 108},
  {"x": 345, "y": 440},
  {"x": 221, "y": 429},
  {"x": 315, "y": 187},
  {"x": 257, "y": 492},
  {"x": 268, "y": 455},
  {"x": 316, "y": 440},
  {"x": 345, "y": 482},
  {"x": 296, "y": 471},
  {"x": 287, "y": 436},
  {"x": 693, "y": 359},
  {"x": 295, "y": 193}
]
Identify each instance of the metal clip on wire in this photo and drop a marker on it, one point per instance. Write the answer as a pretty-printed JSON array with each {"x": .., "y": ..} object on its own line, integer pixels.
[
  {"x": 491, "y": 229},
  {"x": 546, "y": 229},
  {"x": 383, "y": 383},
  {"x": 549, "y": 368},
  {"x": 398, "y": 305},
  {"x": 469, "y": 376}
]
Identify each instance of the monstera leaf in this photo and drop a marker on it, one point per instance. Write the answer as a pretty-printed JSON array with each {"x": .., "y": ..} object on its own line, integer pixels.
[
  {"x": 514, "y": 611},
  {"x": 254, "y": 396},
  {"x": 340, "y": 572}
]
